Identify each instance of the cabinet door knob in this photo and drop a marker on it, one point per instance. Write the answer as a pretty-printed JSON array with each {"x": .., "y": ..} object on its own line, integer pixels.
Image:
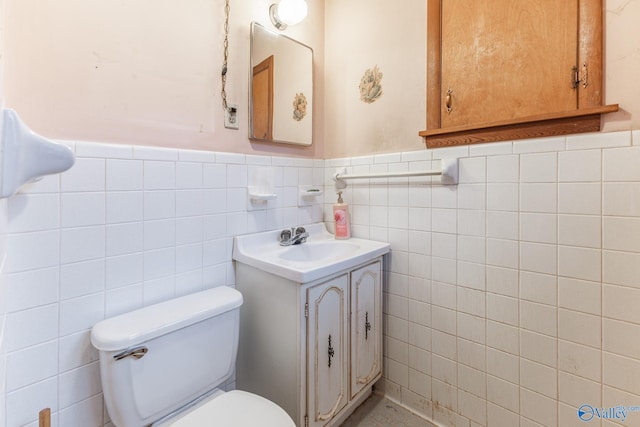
[{"x": 448, "y": 101}]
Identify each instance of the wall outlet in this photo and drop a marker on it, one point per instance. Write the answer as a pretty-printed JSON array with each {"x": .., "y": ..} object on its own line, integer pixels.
[{"x": 231, "y": 116}]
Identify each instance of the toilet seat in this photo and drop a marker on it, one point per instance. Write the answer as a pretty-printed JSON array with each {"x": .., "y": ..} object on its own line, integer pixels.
[{"x": 235, "y": 408}]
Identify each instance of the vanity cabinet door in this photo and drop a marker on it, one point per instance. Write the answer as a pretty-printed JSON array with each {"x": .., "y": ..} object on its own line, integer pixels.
[
  {"x": 327, "y": 350},
  {"x": 366, "y": 326}
]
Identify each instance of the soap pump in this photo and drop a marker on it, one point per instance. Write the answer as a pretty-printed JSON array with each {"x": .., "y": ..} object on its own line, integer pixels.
[{"x": 341, "y": 218}]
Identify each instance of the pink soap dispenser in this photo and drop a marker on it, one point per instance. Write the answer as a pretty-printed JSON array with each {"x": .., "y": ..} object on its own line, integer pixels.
[{"x": 341, "y": 217}]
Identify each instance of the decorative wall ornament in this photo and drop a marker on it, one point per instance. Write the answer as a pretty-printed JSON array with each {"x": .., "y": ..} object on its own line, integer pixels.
[
  {"x": 299, "y": 106},
  {"x": 370, "y": 87}
]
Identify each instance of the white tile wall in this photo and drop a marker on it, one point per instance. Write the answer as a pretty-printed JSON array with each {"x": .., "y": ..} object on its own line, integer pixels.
[
  {"x": 125, "y": 227},
  {"x": 529, "y": 306},
  {"x": 4, "y": 298},
  {"x": 511, "y": 299}
]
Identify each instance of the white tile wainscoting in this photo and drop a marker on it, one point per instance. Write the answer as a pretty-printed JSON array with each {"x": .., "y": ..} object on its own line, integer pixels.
[
  {"x": 511, "y": 298},
  {"x": 3, "y": 303},
  {"x": 127, "y": 226}
]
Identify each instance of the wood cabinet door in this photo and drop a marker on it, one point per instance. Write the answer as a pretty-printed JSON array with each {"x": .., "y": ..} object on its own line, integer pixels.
[
  {"x": 505, "y": 59},
  {"x": 366, "y": 326},
  {"x": 327, "y": 350}
]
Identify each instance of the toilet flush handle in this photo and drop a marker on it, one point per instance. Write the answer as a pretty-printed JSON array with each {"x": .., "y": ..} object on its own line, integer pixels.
[{"x": 137, "y": 353}]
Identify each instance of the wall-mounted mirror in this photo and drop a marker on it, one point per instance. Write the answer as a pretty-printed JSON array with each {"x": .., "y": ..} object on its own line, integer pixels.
[{"x": 280, "y": 89}]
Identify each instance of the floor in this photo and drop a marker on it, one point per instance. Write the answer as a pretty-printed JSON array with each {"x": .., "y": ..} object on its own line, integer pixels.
[{"x": 377, "y": 411}]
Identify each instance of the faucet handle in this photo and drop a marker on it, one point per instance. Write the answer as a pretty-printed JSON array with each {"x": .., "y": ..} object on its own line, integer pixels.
[
  {"x": 293, "y": 236},
  {"x": 301, "y": 234},
  {"x": 285, "y": 235}
]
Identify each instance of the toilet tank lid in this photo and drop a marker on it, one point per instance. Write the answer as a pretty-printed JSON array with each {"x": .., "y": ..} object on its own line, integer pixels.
[{"x": 136, "y": 327}]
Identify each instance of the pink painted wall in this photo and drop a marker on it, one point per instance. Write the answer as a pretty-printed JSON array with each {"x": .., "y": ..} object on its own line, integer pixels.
[
  {"x": 144, "y": 72},
  {"x": 148, "y": 72},
  {"x": 393, "y": 37}
]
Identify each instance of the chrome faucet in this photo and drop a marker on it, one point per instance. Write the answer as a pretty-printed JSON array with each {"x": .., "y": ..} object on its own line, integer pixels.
[{"x": 293, "y": 236}]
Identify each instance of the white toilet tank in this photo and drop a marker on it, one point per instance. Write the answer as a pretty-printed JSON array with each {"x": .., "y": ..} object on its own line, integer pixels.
[{"x": 159, "y": 358}]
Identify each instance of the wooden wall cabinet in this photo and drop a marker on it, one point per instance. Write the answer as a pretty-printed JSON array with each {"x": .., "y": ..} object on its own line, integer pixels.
[{"x": 505, "y": 70}]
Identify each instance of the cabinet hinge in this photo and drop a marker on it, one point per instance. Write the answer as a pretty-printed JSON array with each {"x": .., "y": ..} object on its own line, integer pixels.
[
  {"x": 306, "y": 421},
  {"x": 580, "y": 76},
  {"x": 306, "y": 309}
]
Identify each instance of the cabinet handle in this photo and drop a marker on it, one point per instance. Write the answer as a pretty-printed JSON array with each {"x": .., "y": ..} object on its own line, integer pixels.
[
  {"x": 448, "y": 101},
  {"x": 330, "y": 352},
  {"x": 575, "y": 77},
  {"x": 579, "y": 77},
  {"x": 367, "y": 326}
]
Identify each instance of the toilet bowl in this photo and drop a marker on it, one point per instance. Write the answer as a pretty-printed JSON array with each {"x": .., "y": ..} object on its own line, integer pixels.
[
  {"x": 232, "y": 409},
  {"x": 163, "y": 365}
]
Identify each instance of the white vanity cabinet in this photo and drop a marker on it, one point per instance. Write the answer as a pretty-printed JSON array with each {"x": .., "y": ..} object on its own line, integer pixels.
[{"x": 313, "y": 348}]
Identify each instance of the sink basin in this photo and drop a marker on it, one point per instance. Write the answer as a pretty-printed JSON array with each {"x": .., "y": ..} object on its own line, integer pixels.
[
  {"x": 322, "y": 251},
  {"x": 320, "y": 256}
]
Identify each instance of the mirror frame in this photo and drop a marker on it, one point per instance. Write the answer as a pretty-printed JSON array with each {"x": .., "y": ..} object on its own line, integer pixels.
[{"x": 270, "y": 78}]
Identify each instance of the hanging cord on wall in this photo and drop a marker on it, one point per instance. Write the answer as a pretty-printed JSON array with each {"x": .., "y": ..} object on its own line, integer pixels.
[
  {"x": 223, "y": 92},
  {"x": 230, "y": 111}
]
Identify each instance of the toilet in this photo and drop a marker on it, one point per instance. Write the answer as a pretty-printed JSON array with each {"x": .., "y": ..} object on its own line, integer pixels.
[{"x": 162, "y": 365}]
